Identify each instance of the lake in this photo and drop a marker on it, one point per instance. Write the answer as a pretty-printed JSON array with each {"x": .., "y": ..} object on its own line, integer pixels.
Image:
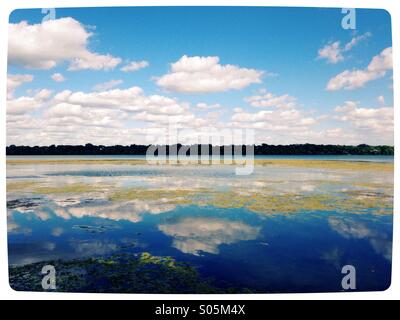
[{"x": 118, "y": 224}]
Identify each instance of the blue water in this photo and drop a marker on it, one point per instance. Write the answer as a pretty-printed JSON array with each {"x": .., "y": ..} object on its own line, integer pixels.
[
  {"x": 300, "y": 254},
  {"x": 233, "y": 246}
]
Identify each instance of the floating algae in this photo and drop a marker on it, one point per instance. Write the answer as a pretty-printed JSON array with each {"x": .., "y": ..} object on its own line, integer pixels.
[
  {"x": 76, "y": 162},
  {"x": 267, "y": 201},
  {"x": 143, "y": 273},
  {"x": 177, "y": 196},
  {"x": 344, "y": 191},
  {"x": 350, "y": 202},
  {"x": 317, "y": 164},
  {"x": 330, "y": 164},
  {"x": 68, "y": 188},
  {"x": 21, "y": 185}
]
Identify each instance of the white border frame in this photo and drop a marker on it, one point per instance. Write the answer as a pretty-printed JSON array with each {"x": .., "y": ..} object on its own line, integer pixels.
[{"x": 6, "y": 7}]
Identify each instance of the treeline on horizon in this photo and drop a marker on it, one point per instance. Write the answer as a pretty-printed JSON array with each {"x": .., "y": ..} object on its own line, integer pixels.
[{"x": 263, "y": 149}]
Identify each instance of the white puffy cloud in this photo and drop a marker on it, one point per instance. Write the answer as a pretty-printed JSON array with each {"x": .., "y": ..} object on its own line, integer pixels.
[
  {"x": 107, "y": 85},
  {"x": 163, "y": 119},
  {"x": 353, "y": 79},
  {"x": 121, "y": 116},
  {"x": 71, "y": 114},
  {"x": 205, "y": 106},
  {"x": 284, "y": 122},
  {"x": 282, "y": 114},
  {"x": 276, "y": 120},
  {"x": 333, "y": 52},
  {"x": 271, "y": 100},
  {"x": 105, "y": 117},
  {"x": 129, "y": 100},
  {"x": 26, "y": 104},
  {"x": 16, "y": 80},
  {"x": 355, "y": 40},
  {"x": 205, "y": 74},
  {"x": 111, "y": 108},
  {"x": 58, "y": 77},
  {"x": 135, "y": 66},
  {"x": 47, "y": 44},
  {"x": 30, "y": 130},
  {"x": 381, "y": 100},
  {"x": 370, "y": 120},
  {"x": 94, "y": 61}
]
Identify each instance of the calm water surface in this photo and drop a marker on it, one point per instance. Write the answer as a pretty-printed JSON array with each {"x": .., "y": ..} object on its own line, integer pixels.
[{"x": 281, "y": 229}]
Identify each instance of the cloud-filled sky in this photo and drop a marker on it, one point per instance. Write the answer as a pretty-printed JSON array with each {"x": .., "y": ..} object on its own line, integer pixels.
[{"x": 123, "y": 75}]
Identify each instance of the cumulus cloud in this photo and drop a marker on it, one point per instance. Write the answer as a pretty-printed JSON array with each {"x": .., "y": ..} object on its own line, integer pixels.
[
  {"x": 357, "y": 78},
  {"x": 58, "y": 77},
  {"x": 333, "y": 52},
  {"x": 271, "y": 100},
  {"x": 284, "y": 122},
  {"x": 282, "y": 114},
  {"x": 275, "y": 120},
  {"x": 377, "y": 120},
  {"x": 110, "y": 108},
  {"x": 135, "y": 66},
  {"x": 66, "y": 114},
  {"x": 164, "y": 119},
  {"x": 107, "y": 85},
  {"x": 354, "y": 41},
  {"x": 130, "y": 100},
  {"x": 47, "y": 44},
  {"x": 205, "y": 74},
  {"x": 26, "y": 104},
  {"x": 104, "y": 117},
  {"x": 16, "y": 80},
  {"x": 205, "y": 106},
  {"x": 381, "y": 100}
]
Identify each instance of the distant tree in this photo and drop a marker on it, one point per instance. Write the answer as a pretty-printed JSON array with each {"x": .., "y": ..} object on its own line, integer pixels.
[{"x": 263, "y": 149}]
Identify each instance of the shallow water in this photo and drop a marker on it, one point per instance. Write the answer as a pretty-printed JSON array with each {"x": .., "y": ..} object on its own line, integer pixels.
[{"x": 280, "y": 229}]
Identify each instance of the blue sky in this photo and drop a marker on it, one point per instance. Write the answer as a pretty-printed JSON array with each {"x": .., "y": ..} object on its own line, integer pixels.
[{"x": 281, "y": 46}]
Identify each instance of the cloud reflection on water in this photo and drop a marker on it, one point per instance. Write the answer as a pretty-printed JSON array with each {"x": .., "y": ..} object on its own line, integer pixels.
[
  {"x": 352, "y": 229},
  {"x": 199, "y": 234}
]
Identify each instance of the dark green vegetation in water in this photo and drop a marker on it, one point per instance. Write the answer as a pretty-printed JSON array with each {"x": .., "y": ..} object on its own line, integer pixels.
[{"x": 124, "y": 273}]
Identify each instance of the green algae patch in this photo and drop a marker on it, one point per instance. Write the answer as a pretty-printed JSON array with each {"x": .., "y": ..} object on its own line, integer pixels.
[
  {"x": 21, "y": 185},
  {"x": 147, "y": 258},
  {"x": 329, "y": 164},
  {"x": 125, "y": 273},
  {"x": 266, "y": 202},
  {"x": 272, "y": 204},
  {"x": 290, "y": 203},
  {"x": 317, "y": 164},
  {"x": 76, "y": 162},
  {"x": 230, "y": 199},
  {"x": 69, "y": 188},
  {"x": 356, "y": 202},
  {"x": 359, "y": 201},
  {"x": 177, "y": 196}
]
